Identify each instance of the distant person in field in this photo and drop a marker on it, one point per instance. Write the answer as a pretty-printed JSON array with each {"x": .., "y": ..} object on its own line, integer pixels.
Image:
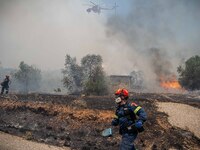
[
  {"x": 5, "y": 85},
  {"x": 130, "y": 118}
]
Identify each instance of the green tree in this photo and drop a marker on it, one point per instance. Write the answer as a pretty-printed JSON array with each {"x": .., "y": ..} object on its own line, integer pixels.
[
  {"x": 29, "y": 77},
  {"x": 189, "y": 73},
  {"x": 73, "y": 75},
  {"x": 94, "y": 81}
]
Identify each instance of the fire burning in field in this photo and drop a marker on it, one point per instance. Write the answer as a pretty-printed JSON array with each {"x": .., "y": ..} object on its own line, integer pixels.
[{"x": 170, "y": 83}]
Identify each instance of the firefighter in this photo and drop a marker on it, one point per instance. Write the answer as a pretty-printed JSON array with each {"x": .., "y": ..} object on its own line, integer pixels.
[
  {"x": 5, "y": 84},
  {"x": 130, "y": 118}
]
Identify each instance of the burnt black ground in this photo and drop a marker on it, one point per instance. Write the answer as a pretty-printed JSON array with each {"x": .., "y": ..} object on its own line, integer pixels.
[{"x": 77, "y": 122}]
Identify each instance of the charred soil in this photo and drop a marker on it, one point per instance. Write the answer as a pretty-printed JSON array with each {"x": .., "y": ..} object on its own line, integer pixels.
[{"x": 77, "y": 122}]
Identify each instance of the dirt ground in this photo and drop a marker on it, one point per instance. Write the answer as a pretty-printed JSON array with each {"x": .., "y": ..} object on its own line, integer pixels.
[
  {"x": 9, "y": 142},
  {"x": 189, "y": 121},
  {"x": 77, "y": 122}
]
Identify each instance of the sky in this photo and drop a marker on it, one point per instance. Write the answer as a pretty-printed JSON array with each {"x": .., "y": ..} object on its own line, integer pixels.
[
  {"x": 42, "y": 32},
  {"x": 142, "y": 35}
]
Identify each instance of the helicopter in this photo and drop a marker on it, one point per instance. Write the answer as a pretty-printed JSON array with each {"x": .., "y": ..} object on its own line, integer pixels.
[{"x": 97, "y": 8}]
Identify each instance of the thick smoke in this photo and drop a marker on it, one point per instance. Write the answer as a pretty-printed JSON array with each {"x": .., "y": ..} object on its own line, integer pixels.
[
  {"x": 160, "y": 63},
  {"x": 151, "y": 36},
  {"x": 42, "y": 32},
  {"x": 156, "y": 36}
]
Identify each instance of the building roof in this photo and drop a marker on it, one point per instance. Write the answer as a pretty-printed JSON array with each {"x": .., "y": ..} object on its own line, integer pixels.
[{"x": 121, "y": 76}]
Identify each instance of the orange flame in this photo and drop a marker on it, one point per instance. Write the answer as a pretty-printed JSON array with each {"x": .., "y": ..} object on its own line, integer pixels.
[
  {"x": 170, "y": 85},
  {"x": 170, "y": 82}
]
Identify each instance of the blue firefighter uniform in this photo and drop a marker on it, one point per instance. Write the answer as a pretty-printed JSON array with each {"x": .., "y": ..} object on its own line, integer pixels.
[
  {"x": 130, "y": 118},
  {"x": 5, "y": 85}
]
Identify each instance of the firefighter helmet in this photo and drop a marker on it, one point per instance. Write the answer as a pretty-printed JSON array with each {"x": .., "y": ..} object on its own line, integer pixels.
[{"x": 122, "y": 92}]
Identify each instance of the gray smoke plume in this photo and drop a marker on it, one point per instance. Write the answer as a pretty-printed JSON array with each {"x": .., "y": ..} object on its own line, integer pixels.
[
  {"x": 156, "y": 36},
  {"x": 160, "y": 63},
  {"x": 42, "y": 32}
]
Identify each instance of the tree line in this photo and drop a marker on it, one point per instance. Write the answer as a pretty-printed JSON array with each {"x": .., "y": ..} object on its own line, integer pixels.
[{"x": 88, "y": 77}]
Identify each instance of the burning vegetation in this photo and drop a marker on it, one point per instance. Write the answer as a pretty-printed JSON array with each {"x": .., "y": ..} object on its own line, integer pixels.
[{"x": 170, "y": 83}]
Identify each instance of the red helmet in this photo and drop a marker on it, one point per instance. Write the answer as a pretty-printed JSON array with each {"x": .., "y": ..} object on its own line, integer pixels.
[{"x": 122, "y": 92}]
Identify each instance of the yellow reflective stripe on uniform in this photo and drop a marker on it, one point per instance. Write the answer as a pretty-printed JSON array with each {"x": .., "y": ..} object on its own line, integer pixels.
[
  {"x": 137, "y": 109},
  {"x": 116, "y": 117}
]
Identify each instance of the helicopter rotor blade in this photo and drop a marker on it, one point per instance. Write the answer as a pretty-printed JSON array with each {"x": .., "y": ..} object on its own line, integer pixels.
[
  {"x": 115, "y": 6},
  {"x": 93, "y": 3}
]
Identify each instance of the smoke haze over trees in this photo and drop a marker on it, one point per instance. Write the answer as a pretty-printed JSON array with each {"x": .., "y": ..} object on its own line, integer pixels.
[
  {"x": 155, "y": 37},
  {"x": 29, "y": 78},
  {"x": 73, "y": 75},
  {"x": 137, "y": 80},
  {"x": 89, "y": 77},
  {"x": 50, "y": 80},
  {"x": 39, "y": 31}
]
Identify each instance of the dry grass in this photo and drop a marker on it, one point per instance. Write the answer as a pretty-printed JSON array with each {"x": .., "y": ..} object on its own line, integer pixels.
[{"x": 60, "y": 110}]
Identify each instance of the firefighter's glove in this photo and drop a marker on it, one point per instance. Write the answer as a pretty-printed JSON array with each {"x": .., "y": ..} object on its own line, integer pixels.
[{"x": 138, "y": 124}]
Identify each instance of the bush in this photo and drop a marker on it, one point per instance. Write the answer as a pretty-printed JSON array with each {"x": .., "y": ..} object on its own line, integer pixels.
[{"x": 189, "y": 73}]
